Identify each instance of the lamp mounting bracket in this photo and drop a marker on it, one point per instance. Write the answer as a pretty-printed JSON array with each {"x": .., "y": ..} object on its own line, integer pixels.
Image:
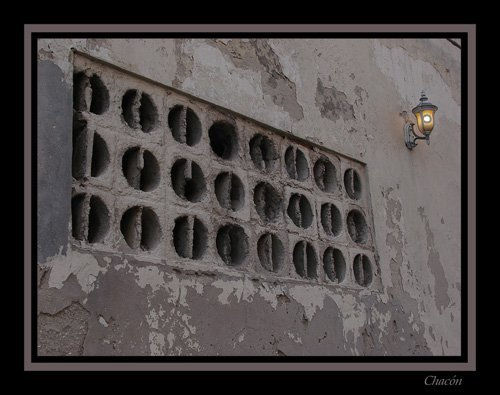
[{"x": 411, "y": 137}]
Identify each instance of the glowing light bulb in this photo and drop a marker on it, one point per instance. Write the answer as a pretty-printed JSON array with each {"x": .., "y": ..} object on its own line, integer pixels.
[{"x": 427, "y": 118}]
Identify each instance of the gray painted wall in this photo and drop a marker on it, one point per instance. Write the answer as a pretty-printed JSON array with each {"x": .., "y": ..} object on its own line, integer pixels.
[{"x": 342, "y": 94}]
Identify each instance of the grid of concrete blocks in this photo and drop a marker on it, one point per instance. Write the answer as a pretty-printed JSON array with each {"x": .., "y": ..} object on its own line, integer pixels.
[{"x": 167, "y": 177}]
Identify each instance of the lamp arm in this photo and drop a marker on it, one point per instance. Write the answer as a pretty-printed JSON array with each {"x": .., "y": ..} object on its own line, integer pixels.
[
  {"x": 417, "y": 137},
  {"x": 411, "y": 137}
]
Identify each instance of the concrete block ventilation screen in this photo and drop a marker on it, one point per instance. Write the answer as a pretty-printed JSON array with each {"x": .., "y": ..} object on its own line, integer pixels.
[{"x": 175, "y": 180}]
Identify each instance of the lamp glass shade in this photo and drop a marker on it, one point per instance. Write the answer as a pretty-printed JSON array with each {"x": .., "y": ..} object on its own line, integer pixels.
[
  {"x": 425, "y": 120},
  {"x": 424, "y": 113}
]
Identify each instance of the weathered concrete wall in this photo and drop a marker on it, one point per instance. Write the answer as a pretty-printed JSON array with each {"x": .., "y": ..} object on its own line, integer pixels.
[{"x": 342, "y": 94}]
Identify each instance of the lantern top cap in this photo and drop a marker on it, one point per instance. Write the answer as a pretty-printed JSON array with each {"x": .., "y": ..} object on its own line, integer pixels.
[{"x": 424, "y": 104}]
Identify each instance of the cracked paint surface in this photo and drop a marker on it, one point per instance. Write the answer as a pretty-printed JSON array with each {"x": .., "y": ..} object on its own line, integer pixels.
[
  {"x": 343, "y": 95},
  {"x": 176, "y": 314}
]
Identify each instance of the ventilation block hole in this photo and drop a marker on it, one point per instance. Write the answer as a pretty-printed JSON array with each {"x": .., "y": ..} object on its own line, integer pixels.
[
  {"x": 90, "y": 94},
  {"x": 78, "y": 215},
  {"x": 141, "y": 228},
  {"x": 352, "y": 183},
  {"x": 334, "y": 264},
  {"x": 270, "y": 251},
  {"x": 229, "y": 191},
  {"x": 232, "y": 244},
  {"x": 80, "y": 145},
  {"x": 81, "y": 91},
  {"x": 188, "y": 181},
  {"x": 89, "y": 218},
  {"x": 190, "y": 237},
  {"x": 131, "y": 167},
  {"x": 150, "y": 175},
  {"x": 357, "y": 227},
  {"x": 100, "y": 156},
  {"x": 325, "y": 175},
  {"x": 185, "y": 125},
  {"x": 139, "y": 111},
  {"x": 304, "y": 260},
  {"x": 148, "y": 116},
  {"x": 130, "y": 108},
  {"x": 268, "y": 202},
  {"x": 296, "y": 164},
  {"x": 130, "y": 226},
  {"x": 223, "y": 139},
  {"x": 151, "y": 230},
  {"x": 331, "y": 219},
  {"x": 141, "y": 169},
  {"x": 299, "y": 210},
  {"x": 100, "y": 95},
  {"x": 362, "y": 270},
  {"x": 98, "y": 220},
  {"x": 263, "y": 153}
]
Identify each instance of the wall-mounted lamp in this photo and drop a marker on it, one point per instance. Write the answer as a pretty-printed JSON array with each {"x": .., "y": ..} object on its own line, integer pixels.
[{"x": 424, "y": 113}]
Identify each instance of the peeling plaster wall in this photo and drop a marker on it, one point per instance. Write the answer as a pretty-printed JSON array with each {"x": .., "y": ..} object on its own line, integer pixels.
[{"x": 343, "y": 94}]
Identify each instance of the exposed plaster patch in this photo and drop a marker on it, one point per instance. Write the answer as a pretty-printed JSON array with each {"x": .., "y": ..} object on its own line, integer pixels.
[
  {"x": 185, "y": 319},
  {"x": 245, "y": 289},
  {"x": 175, "y": 320},
  {"x": 45, "y": 54},
  {"x": 296, "y": 338},
  {"x": 286, "y": 59},
  {"x": 170, "y": 339},
  {"x": 382, "y": 319},
  {"x": 361, "y": 95},
  {"x": 258, "y": 55},
  {"x": 193, "y": 344},
  {"x": 154, "y": 316},
  {"x": 332, "y": 103},
  {"x": 353, "y": 315},
  {"x": 241, "y": 289},
  {"x": 156, "y": 344},
  {"x": 84, "y": 266},
  {"x": 150, "y": 275},
  {"x": 209, "y": 61},
  {"x": 238, "y": 338},
  {"x": 177, "y": 289},
  {"x": 103, "y": 322},
  {"x": 400, "y": 315},
  {"x": 402, "y": 274},
  {"x": 99, "y": 45},
  {"x": 395, "y": 237},
  {"x": 123, "y": 266},
  {"x": 271, "y": 293},
  {"x": 440, "y": 283},
  {"x": 310, "y": 297}
]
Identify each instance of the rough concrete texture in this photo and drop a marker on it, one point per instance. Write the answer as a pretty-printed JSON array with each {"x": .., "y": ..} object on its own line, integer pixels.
[{"x": 115, "y": 284}]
